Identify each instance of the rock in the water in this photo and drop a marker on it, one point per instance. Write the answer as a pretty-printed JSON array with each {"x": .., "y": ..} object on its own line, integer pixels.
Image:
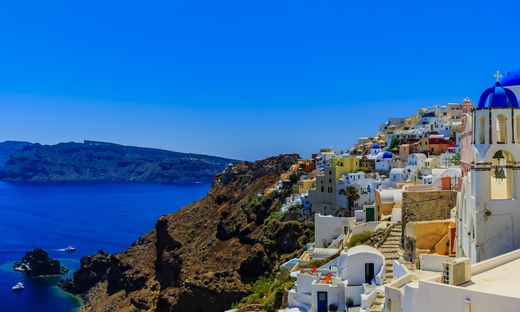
[{"x": 38, "y": 263}]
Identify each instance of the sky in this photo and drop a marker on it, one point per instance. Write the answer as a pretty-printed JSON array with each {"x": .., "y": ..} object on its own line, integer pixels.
[{"x": 241, "y": 79}]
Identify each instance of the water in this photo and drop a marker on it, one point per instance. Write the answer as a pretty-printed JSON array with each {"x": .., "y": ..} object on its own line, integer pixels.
[{"x": 89, "y": 216}]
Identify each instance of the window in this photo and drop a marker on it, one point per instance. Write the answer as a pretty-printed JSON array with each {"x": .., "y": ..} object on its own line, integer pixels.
[
  {"x": 501, "y": 129},
  {"x": 482, "y": 128}
]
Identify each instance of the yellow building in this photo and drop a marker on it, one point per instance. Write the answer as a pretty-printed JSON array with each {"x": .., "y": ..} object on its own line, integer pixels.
[
  {"x": 410, "y": 122},
  {"x": 385, "y": 201},
  {"x": 430, "y": 237},
  {"x": 345, "y": 165},
  {"x": 304, "y": 185},
  {"x": 404, "y": 152},
  {"x": 423, "y": 144}
]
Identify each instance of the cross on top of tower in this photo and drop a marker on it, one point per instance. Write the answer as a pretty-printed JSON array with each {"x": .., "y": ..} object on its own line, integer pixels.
[{"x": 498, "y": 75}]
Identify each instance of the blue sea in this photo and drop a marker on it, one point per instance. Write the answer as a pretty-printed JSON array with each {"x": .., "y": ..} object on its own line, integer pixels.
[{"x": 88, "y": 216}]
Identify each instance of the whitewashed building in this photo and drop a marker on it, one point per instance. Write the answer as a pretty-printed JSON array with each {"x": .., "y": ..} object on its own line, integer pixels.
[
  {"x": 347, "y": 276},
  {"x": 415, "y": 161},
  {"x": 487, "y": 208}
]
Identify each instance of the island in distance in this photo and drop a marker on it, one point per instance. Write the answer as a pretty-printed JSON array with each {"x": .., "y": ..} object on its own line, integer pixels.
[
  {"x": 100, "y": 161},
  {"x": 38, "y": 263}
]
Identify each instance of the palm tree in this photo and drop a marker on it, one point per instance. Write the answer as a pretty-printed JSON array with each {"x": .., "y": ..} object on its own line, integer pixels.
[{"x": 351, "y": 194}]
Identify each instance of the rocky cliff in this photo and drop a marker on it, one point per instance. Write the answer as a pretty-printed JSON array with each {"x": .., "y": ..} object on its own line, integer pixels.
[
  {"x": 202, "y": 257},
  {"x": 38, "y": 263},
  {"x": 94, "y": 161},
  {"x": 7, "y": 148}
]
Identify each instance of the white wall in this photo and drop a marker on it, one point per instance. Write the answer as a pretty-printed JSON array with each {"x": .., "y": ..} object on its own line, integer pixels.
[
  {"x": 400, "y": 269},
  {"x": 426, "y": 296},
  {"x": 396, "y": 214},
  {"x": 301, "y": 301},
  {"x": 327, "y": 228},
  {"x": 356, "y": 267},
  {"x": 432, "y": 262},
  {"x": 354, "y": 292},
  {"x": 304, "y": 282},
  {"x": 367, "y": 227},
  {"x": 335, "y": 294}
]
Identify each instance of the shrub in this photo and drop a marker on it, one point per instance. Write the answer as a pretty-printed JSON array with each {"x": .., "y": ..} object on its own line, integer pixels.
[{"x": 359, "y": 239}]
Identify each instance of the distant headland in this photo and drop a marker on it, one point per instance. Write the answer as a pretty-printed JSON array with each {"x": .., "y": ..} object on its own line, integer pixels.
[{"x": 101, "y": 161}]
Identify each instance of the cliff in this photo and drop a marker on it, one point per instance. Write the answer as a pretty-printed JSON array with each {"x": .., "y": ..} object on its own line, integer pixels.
[
  {"x": 202, "y": 257},
  {"x": 7, "y": 148},
  {"x": 96, "y": 161}
]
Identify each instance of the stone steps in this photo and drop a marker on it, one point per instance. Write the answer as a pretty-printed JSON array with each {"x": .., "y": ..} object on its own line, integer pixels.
[{"x": 391, "y": 250}]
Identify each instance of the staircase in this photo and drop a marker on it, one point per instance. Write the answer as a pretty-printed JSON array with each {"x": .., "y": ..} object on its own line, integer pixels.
[{"x": 392, "y": 251}]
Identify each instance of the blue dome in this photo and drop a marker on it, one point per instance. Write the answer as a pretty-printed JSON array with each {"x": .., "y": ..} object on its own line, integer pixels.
[
  {"x": 497, "y": 96},
  {"x": 387, "y": 155},
  {"x": 376, "y": 146},
  {"x": 511, "y": 78}
]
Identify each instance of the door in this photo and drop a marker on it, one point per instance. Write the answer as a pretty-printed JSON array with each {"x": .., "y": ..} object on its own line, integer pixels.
[
  {"x": 370, "y": 214},
  {"x": 369, "y": 272},
  {"x": 322, "y": 301}
]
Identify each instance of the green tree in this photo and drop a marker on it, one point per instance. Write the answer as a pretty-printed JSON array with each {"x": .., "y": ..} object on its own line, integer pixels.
[
  {"x": 294, "y": 178},
  {"x": 351, "y": 194},
  {"x": 455, "y": 159},
  {"x": 394, "y": 145}
]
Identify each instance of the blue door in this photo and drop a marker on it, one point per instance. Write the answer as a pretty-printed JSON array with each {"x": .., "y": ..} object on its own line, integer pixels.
[{"x": 322, "y": 301}]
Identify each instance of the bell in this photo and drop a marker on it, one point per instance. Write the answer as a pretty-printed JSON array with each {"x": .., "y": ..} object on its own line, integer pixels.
[
  {"x": 499, "y": 155},
  {"x": 499, "y": 174}
]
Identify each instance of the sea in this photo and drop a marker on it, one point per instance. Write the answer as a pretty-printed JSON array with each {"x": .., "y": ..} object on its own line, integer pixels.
[{"x": 91, "y": 216}]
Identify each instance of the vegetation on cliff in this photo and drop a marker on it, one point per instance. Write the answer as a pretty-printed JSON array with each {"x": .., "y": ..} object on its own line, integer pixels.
[
  {"x": 95, "y": 161},
  {"x": 204, "y": 256}
]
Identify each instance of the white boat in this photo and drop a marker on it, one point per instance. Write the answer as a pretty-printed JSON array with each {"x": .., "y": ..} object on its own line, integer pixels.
[
  {"x": 70, "y": 248},
  {"x": 18, "y": 286}
]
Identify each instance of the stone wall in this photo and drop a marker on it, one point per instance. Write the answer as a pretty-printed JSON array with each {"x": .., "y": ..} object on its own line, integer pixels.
[{"x": 427, "y": 205}]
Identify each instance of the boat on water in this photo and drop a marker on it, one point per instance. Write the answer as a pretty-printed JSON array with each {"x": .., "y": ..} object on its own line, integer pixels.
[
  {"x": 18, "y": 286},
  {"x": 70, "y": 248}
]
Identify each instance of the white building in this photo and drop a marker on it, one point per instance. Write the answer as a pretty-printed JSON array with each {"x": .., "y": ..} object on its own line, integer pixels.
[
  {"x": 365, "y": 187},
  {"x": 487, "y": 208},
  {"x": 324, "y": 156},
  {"x": 397, "y": 175},
  {"x": 433, "y": 124},
  {"x": 436, "y": 174},
  {"x": 347, "y": 276},
  {"x": 491, "y": 285},
  {"x": 382, "y": 160},
  {"x": 329, "y": 228},
  {"x": 414, "y": 161}
]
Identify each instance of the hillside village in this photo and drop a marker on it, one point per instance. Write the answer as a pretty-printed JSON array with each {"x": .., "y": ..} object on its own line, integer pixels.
[{"x": 429, "y": 198}]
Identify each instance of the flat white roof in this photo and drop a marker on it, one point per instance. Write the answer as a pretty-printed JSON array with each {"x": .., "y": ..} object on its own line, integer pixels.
[{"x": 501, "y": 280}]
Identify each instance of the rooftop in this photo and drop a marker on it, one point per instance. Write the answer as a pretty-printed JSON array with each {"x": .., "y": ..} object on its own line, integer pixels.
[{"x": 500, "y": 280}]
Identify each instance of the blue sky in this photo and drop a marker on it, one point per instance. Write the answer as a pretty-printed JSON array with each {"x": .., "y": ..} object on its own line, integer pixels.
[{"x": 240, "y": 79}]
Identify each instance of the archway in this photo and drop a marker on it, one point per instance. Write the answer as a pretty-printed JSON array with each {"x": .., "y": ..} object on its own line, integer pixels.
[{"x": 501, "y": 175}]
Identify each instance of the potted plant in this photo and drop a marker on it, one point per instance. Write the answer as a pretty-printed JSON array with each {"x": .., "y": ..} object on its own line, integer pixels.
[
  {"x": 349, "y": 302},
  {"x": 333, "y": 308}
]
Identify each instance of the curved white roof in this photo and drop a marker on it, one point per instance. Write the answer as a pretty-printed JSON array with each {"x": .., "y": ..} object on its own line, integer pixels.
[
  {"x": 390, "y": 196},
  {"x": 364, "y": 249}
]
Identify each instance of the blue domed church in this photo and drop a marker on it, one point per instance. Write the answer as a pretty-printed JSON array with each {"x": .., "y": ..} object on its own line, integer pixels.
[{"x": 488, "y": 211}]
